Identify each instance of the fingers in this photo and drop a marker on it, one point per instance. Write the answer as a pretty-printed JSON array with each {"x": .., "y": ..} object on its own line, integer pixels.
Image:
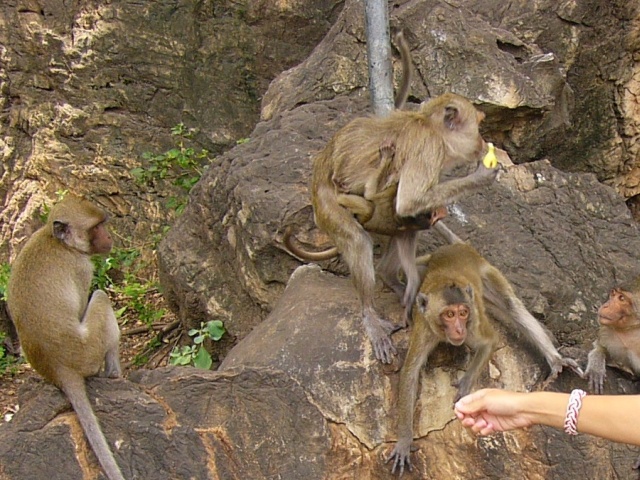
[
  {"x": 478, "y": 425},
  {"x": 472, "y": 403}
]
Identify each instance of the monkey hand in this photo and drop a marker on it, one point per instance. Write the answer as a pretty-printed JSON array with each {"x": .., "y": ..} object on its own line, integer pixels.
[
  {"x": 558, "y": 365},
  {"x": 484, "y": 175},
  {"x": 490, "y": 160},
  {"x": 379, "y": 330},
  {"x": 400, "y": 456},
  {"x": 596, "y": 376}
]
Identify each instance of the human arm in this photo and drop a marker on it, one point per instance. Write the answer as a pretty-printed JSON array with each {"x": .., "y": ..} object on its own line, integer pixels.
[{"x": 492, "y": 410}]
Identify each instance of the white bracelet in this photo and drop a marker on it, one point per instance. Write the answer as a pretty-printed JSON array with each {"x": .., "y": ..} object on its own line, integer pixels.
[{"x": 573, "y": 409}]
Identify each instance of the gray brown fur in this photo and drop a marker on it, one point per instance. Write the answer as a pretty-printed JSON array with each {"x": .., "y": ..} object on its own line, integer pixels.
[
  {"x": 65, "y": 336},
  {"x": 488, "y": 293}
]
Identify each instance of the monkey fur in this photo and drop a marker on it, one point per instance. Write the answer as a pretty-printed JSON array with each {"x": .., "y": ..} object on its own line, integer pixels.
[
  {"x": 459, "y": 291},
  {"x": 440, "y": 135},
  {"x": 65, "y": 336},
  {"x": 618, "y": 341}
]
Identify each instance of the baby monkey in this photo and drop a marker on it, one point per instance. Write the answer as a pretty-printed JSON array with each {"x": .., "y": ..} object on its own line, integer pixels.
[
  {"x": 65, "y": 335},
  {"x": 459, "y": 290}
]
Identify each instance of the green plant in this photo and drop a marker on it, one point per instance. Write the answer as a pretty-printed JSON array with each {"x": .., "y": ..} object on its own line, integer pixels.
[
  {"x": 132, "y": 292},
  {"x": 8, "y": 363},
  {"x": 5, "y": 272},
  {"x": 197, "y": 354},
  {"x": 120, "y": 259},
  {"x": 183, "y": 165}
]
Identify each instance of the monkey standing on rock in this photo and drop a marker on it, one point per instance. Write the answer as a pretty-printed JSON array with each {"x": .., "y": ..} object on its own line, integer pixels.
[
  {"x": 443, "y": 133},
  {"x": 459, "y": 290},
  {"x": 65, "y": 337}
]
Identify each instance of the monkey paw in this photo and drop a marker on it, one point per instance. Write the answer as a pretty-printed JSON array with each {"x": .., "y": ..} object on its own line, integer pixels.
[
  {"x": 596, "y": 381},
  {"x": 388, "y": 148},
  {"x": 384, "y": 349},
  {"x": 486, "y": 175},
  {"x": 401, "y": 457}
]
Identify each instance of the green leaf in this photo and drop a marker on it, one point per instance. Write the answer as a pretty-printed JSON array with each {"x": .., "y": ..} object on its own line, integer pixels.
[
  {"x": 202, "y": 359},
  {"x": 215, "y": 329}
]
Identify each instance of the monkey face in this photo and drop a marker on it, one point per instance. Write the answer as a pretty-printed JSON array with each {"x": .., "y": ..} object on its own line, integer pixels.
[
  {"x": 617, "y": 310},
  {"x": 453, "y": 320},
  {"x": 100, "y": 239}
]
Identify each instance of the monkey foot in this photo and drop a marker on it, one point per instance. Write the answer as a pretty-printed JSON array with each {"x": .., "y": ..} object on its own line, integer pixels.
[
  {"x": 401, "y": 457},
  {"x": 379, "y": 330}
]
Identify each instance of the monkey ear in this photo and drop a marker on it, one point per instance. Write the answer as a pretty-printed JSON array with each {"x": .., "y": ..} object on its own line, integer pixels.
[
  {"x": 452, "y": 118},
  {"x": 423, "y": 302},
  {"x": 60, "y": 230}
]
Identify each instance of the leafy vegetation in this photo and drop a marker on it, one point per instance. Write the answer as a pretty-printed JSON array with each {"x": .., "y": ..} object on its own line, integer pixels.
[
  {"x": 8, "y": 363},
  {"x": 196, "y": 354},
  {"x": 182, "y": 165},
  {"x": 5, "y": 271}
]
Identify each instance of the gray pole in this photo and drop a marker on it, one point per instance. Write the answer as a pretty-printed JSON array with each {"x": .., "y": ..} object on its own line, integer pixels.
[{"x": 379, "y": 56}]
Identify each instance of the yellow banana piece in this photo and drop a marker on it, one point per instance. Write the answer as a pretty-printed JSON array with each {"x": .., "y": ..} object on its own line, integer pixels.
[{"x": 490, "y": 160}]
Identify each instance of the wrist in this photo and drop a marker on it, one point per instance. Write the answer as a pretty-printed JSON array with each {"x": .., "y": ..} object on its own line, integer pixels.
[{"x": 546, "y": 408}]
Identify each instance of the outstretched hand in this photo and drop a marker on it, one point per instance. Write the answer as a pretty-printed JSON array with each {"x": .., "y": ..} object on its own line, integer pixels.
[{"x": 491, "y": 410}]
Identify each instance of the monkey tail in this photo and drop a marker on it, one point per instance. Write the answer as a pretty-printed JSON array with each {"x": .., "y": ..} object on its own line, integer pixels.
[
  {"x": 446, "y": 233},
  {"x": 407, "y": 70},
  {"x": 75, "y": 389},
  {"x": 290, "y": 242}
]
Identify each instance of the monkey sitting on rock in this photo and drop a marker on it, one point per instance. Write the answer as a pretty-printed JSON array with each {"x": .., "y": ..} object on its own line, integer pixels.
[
  {"x": 618, "y": 341},
  {"x": 459, "y": 290},
  {"x": 65, "y": 335}
]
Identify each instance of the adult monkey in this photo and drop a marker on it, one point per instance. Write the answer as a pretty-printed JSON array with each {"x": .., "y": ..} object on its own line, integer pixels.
[
  {"x": 618, "y": 339},
  {"x": 64, "y": 337},
  {"x": 440, "y": 135},
  {"x": 619, "y": 336},
  {"x": 459, "y": 290}
]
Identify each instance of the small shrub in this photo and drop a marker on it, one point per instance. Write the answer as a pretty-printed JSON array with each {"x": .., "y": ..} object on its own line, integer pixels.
[{"x": 197, "y": 354}]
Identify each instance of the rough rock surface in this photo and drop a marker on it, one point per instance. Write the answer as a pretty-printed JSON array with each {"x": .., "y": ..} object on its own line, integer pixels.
[
  {"x": 302, "y": 397},
  {"x": 86, "y": 87}
]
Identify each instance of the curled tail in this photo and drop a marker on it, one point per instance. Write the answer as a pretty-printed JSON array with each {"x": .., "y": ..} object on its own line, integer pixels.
[
  {"x": 291, "y": 243},
  {"x": 75, "y": 389}
]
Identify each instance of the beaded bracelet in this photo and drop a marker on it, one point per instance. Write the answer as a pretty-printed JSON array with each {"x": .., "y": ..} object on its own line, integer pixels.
[{"x": 573, "y": 409}]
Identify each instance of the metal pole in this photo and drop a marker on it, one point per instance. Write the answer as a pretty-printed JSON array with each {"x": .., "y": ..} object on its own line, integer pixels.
[{"x": 379, "y": 56}]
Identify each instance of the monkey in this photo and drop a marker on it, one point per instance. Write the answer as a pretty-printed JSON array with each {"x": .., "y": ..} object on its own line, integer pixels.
[
  {"x": 459, "y": 292},
  {"x": 618, "y": 339},
  {"x": 378, "y": 186},
  {"x": 65, "y": 335},
  {"x": 441, "y": 134},
  {"x": 383, "y": 175}
]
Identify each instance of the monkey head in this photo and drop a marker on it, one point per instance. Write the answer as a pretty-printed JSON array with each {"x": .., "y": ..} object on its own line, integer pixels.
[
  {"x": 448, "y": 311},
  {"x": 80, "y": 225},
  {"x": 619, "y": 311}
]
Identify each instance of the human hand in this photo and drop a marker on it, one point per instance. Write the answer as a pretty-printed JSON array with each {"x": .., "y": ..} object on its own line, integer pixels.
[{"x": 491, "y": 410}]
